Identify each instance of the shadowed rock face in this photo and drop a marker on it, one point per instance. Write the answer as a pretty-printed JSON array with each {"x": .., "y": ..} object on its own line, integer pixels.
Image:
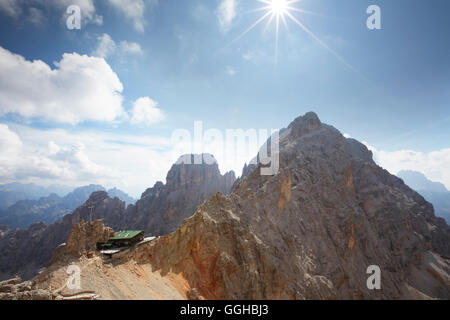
[
  {"x": 192, "y": 180},
  {"x": 311, "y": 231},
  {"x": 24, "y": 252}
]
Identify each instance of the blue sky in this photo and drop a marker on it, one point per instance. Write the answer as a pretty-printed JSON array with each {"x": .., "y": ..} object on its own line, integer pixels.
[{"x": 393, "y": 92}]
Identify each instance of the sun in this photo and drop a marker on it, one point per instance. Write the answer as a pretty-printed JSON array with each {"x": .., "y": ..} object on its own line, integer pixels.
[
  {"x": 278, "y": 7},
  {"x": 280, "y": 11},
  {"x": 276, "y": 11}
]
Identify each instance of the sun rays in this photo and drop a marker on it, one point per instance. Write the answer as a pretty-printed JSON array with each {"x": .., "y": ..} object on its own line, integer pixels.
[{"x": 280, "y": 12}]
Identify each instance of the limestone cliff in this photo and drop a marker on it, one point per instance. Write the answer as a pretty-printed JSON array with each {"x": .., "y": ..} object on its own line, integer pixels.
[{"x": 192, "y": 180}]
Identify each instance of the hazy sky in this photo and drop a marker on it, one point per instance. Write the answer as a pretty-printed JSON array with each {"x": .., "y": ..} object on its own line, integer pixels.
[{"x": 99, "y": 104}]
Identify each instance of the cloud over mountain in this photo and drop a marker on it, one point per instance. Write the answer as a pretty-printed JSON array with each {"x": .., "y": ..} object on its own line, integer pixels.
[
  {"x": 145, "y": 111},
  {"x": 435, "y": 164},
  {"x": 20, "y": 161}
]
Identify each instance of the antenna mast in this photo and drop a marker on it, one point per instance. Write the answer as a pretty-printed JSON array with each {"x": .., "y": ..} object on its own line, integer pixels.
[{"x": 91, "y": 206}]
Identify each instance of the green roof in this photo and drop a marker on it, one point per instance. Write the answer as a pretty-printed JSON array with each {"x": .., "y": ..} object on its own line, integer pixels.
[{"x": 126, "y": 234}]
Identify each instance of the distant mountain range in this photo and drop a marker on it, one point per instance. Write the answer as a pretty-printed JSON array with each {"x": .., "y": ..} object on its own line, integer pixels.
[
  {"x": 11, "y": 193},
  {"x": 434, "y": 192},
  {"x": 113, "y": 193},
  {"x": 49, "y": 208}
]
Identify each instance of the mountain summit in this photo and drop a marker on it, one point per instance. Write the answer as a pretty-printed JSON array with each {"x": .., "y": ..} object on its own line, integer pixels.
[{"x": 191, "y": 180}]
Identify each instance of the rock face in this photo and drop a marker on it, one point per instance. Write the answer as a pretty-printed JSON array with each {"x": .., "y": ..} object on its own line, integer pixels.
[
  {"x": 15, "y": 289},
  {"x": 312, "y": 230},
  {"x": 80, "y": 245},
  {"x": 191, "y": 180},
  {"x": 83, "y": 239}
]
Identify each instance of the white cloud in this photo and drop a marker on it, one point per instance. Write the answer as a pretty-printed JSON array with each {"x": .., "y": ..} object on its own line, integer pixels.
[
  {"x": 106, "y": 46},
  {"x": 226, "y": 14},
  {"x": 435, "y": 165},
  {"x": 10, "y": 146},
  {"x": 145, "y": 111},
  {"x": 19, "y": 161},
  {"x": 346, "y": 135},
  {"x": 133, "y": 10},
  {"x": 80, "y": 88},
  {"x": 131, "y": 47},
  {"x": 75, "y": 160},
  {"x": 56, "y": 156}
]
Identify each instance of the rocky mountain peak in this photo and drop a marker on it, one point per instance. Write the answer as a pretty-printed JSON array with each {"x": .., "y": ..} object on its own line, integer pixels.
[
  {"x": 97, "y": 197},
  {"x": 312, "y": 230},
  {"x": 192, "y": 169},
  {"x": 204, "y": 158},
  {"x": 191, "y": 180},
  {"x": 154, "y": 191},
  {"x": 305, "y": 124}
]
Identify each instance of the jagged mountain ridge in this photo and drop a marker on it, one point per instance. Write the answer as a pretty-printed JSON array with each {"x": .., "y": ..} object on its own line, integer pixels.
[
  {"x": 11, "y": 193},
  {"x": 309, "y": 232},
  {"x": 312, "y": 230},
  {"x": 27, "y": 251}
]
